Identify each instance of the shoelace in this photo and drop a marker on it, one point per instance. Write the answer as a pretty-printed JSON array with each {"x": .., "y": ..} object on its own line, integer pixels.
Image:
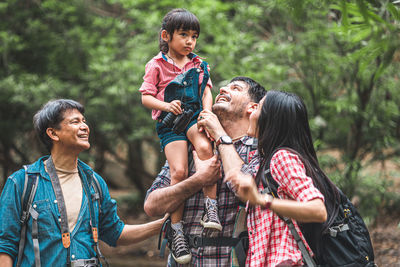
[
  {"x": 180, "y": 243},
  {"x": 212, "y": 212}
]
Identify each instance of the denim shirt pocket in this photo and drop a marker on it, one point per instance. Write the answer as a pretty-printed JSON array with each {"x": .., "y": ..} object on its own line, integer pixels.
[{"x": 47, "y": 219}]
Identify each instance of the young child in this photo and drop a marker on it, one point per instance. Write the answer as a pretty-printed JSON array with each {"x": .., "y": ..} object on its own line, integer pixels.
[{"x": 176, "y": 83}]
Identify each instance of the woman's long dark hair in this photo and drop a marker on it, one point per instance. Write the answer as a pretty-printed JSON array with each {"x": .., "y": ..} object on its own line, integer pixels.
[{"x": 283, "y": 123}]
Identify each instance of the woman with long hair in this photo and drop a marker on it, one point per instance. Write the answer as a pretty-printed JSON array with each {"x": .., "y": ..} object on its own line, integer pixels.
[{"x": 306, "y": 194}]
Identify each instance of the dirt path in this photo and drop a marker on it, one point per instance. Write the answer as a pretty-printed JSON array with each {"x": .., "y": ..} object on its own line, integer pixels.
[{"x": 386, "y": 241}]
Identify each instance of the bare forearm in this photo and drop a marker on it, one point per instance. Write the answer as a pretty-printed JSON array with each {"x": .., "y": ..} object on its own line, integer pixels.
[
  {"x": 310, "y": 211},
  {"x": 135, "y": 233},
  {"x": 168, "y": 199},
  {"x": 5, "y": 260},
  {"x": 150, "y": 101},
  {"x": 231, "y": 162},
  {"x": 207, "y": 98}
]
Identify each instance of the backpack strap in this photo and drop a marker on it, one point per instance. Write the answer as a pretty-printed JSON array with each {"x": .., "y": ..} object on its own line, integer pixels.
[
  {"x": 65, "y": 233},
  {"x": 251, "y": 148},
  {"x": 241, "y": 248},
  {"x": 97, "y": 196},
  {"x": 271, "y": 187},
  {"x": 162, "y": 241},
  {"x": 28, "y": 194},
  {"x": 239, "y": 243},
  {"x": 196, "y": 241},
  {"x": 206, "y": 76}
]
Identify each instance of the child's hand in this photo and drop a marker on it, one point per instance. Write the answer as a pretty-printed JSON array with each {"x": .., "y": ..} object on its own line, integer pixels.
[
  {"x": 174, "y": 107},
  {"x": 201, "y": 129},
  {"x": 211, "y": 124}
]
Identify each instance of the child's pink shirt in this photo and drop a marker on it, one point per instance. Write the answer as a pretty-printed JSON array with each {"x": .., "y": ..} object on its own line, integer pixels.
[{"x": 160, "y": 71}]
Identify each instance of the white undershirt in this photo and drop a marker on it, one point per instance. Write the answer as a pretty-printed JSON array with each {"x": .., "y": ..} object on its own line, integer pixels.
[{"x": 71, "y": 187}]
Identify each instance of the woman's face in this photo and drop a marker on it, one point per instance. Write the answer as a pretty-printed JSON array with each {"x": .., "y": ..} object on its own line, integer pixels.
[{"x": 253, "y": 126}]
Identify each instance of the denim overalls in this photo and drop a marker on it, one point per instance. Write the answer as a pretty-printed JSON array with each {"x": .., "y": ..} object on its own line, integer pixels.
[{"x": 184, "y": 88}]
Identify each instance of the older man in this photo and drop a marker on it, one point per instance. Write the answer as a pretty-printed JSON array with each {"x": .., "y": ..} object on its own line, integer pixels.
[
  {"x": 70, "y": 207},
  {"x": 233, "y": 106}
]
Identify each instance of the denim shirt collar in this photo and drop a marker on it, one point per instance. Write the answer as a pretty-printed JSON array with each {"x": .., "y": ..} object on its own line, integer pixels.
[{"x": 38, "y": 167}]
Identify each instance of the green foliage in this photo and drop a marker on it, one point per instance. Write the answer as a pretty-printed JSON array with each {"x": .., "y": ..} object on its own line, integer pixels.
[
  {"x": 341, "y": 57},
  {"x": 130, "y": 202},
  {"x": 374, "y": 197}
]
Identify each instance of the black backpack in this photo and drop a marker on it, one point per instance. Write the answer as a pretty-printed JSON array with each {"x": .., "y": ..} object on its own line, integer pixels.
[{"x": 346, "y": 243}]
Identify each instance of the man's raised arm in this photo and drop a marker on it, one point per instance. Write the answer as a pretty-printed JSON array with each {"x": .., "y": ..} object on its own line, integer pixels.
[{"x": 166, "y": 198}]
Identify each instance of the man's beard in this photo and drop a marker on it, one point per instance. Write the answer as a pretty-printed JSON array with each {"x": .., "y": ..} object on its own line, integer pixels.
[{"x": 225, "y": 115}]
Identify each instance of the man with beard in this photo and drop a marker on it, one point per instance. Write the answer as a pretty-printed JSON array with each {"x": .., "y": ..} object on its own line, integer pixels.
[{"x": 233, "y": 106}]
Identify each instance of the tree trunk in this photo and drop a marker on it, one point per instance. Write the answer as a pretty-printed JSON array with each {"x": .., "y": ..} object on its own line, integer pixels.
[{"x": 135, "y": 168}]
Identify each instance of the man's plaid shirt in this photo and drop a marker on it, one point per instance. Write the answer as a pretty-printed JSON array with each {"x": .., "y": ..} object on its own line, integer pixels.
[{"x": 228, "y": 206}]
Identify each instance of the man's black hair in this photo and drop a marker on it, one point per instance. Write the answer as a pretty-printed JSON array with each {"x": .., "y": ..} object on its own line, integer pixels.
[
  {"x": 50, "y": 116},
  {"x": 256, "y": 90},
  {"x": 178, "y": 19}
]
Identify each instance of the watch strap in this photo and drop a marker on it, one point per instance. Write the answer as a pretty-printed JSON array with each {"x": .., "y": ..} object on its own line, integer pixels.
[{"x": 220, "y": 141}]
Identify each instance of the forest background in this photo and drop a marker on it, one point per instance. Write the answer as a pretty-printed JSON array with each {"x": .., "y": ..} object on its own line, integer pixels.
[{"x": 342, "y": 57}]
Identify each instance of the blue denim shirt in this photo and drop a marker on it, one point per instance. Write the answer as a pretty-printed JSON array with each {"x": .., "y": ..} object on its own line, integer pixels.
[{"x": 52, "y": 252}]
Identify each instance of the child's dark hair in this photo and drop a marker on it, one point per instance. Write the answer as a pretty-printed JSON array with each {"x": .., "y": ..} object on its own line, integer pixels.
[{"x": 178, "y": 19}]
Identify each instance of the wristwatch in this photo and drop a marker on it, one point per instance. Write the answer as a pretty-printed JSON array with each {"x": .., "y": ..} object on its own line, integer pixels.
[{"x": 225, "y": 140}]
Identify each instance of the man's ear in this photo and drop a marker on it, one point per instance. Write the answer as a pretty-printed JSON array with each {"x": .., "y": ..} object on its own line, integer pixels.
[
  {"x": 251, "y": 107},
  {"x": 165, "y": 36},
  {"x": 51, "y": 132}
]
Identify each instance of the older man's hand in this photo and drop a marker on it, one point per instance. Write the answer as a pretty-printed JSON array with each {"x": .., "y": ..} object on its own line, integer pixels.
[
  {"x": 208, "y": 170},
  {"x": 210, "y": 123}
]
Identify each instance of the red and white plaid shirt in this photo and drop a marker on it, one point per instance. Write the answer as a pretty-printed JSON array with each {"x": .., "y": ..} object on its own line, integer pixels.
[
  {"x": 271, "y": 243},
  {"x": 160, "y": 71}
]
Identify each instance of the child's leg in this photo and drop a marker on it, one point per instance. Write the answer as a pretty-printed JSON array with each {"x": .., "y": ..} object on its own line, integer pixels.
[
  {"x": 203, "y": 147},
  {"x": 177, "y": 156},
  {"x": 204, "y": 150}
]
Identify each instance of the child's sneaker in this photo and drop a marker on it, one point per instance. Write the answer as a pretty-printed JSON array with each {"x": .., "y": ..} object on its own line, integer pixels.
[
  {"x": 179, "y": 246},
  {"x": 210, "y": 217}
]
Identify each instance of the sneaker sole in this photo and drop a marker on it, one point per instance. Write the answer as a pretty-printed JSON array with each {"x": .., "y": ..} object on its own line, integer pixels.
[
  {"x": 211, "y": 225},
  {"x": 182, "y": 260}
]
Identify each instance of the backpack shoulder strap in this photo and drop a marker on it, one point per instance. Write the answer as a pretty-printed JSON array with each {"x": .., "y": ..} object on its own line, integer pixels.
[
  {"x": 28, "y": 194},
  {"x": 268, "y": 182},
  {"x": 98, "y": 196},
  {"x": 206, "y": 76},
  {"x": 251, "y": 148}
]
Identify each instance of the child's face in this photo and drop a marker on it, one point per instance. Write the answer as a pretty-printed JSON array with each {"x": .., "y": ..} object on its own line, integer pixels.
[{"x": 182, "y": 42}]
